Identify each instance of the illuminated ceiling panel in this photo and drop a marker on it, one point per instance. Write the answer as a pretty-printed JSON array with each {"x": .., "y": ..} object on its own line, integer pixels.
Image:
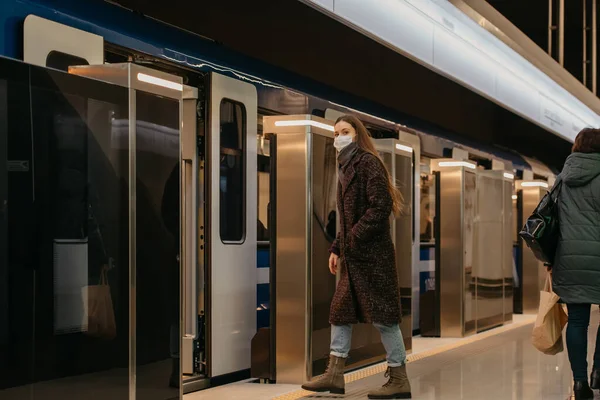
[{"x": 438, "y": 35}]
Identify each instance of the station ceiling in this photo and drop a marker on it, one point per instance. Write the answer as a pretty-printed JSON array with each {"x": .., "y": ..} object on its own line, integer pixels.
[{"x": 294, "y": 37}]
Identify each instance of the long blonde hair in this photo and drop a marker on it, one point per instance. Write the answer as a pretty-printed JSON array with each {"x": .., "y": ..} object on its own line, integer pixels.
[{"x": 364, "y": 141}]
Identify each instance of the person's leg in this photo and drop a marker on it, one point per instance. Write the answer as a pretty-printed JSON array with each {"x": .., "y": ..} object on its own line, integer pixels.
[
  {"x": 341, "y": 339},
  {"x": 333, "y": 379},
  {"x": 595, "y": 379},
  {"x": 397, "y": 386},
  {"x": 597, "y": 351},
  {"x": 577, "y": 338},
  {"x": 392, "y": 340}
]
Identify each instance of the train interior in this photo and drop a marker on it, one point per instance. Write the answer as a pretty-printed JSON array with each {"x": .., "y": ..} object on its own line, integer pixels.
[{"x": 182, "y": 220}]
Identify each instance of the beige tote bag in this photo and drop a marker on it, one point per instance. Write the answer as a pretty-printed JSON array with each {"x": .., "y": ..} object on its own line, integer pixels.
[
  {"x": 550, "y": 321},
  {"x": 100, "y": 313}
]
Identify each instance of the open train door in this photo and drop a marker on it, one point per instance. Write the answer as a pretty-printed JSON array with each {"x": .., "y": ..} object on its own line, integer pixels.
[{"x": 231, "y": 273}]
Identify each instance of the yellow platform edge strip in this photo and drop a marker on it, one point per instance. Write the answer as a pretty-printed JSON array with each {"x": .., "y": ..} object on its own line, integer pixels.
[{"x": 381, "y": 367}]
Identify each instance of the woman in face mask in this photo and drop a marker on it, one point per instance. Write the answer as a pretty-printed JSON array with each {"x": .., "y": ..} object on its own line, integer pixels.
[{"x": 367, "y": 291}]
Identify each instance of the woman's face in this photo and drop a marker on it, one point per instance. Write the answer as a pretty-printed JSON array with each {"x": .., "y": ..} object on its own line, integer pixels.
[{"x": 343, "y": 128}]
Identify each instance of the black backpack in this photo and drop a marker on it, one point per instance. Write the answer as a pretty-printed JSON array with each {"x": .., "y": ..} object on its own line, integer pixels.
[{"x": 541, "y": 230}]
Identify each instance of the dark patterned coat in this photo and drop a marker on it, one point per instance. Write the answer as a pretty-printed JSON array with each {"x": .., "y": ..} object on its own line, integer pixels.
[{"x": 368, "y": 288}]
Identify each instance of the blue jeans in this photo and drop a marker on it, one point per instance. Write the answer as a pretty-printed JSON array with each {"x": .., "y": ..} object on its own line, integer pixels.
[
  {"x": 577, "y": 340},
  {"x": 391, "y": 337}
]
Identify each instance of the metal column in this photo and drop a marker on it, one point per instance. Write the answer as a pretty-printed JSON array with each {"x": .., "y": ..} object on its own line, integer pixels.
[
  {"x": 556, "y": 9},
  {"x": 589, "y": 44}
]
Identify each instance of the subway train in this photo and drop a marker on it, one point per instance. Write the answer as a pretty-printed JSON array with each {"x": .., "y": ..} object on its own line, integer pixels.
[{"x": 193, "y": 202}]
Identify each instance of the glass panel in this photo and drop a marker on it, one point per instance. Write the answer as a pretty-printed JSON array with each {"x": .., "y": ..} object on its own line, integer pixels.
[
  {"x": 324, "y": 189},
  {"x": 157, "y": 241},
  {"x": 4, "y": 323},
  {"x": 404, "y": 235},
  {"x": 16, "y": 262},
  {"x": 71, "y": 244},
  {"x": 232, "y": 176}
]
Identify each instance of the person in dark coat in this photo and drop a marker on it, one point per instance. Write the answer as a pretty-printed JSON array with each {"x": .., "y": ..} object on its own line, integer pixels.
[
  {"x": 576, "y": 269},
  {"x": 367, "y": 291}
]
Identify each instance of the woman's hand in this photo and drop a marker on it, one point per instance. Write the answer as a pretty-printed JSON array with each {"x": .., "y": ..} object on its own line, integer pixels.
[{"x": 333, "y": 261}]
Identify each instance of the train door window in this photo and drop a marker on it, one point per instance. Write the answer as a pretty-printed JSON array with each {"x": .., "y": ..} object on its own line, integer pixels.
[{"x": 232, "y": 172}]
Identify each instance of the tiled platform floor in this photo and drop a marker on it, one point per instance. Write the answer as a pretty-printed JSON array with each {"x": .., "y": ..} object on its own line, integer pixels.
[{"x": 497, "y": 365}]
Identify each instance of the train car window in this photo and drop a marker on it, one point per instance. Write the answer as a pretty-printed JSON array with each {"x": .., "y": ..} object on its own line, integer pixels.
[{"x": 232, "y": 186}]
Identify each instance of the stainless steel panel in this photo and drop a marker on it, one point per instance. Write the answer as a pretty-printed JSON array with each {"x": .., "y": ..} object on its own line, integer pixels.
[
  {"x": 451, "y": 261},
  {"x": 533, "y": 270},
  {"x": 470, "y": 244},
  {"x": 488, "y": 271},
  {"x": 508, "y": 229},
  {"x": 293, "y": 311}
]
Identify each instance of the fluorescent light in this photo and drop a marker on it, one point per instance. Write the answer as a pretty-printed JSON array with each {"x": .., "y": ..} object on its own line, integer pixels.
[
  {"x": 514, "y": 196},
  {"x": 509, "y": 175},
  {"x": 402, "y": 147},
  {"x": 534, "y": 184},
  {"x": 457, "y": 164},
  {"x": 305, "y": 122},
  {"x": 153, "y": 80}
]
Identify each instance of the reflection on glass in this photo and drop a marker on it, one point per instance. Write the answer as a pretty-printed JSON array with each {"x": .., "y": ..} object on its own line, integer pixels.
[
  {"x": 427, "y": 208},
  {"x": 232, "y": 174},
  {"x": 324, "y": 189},
  {"x": 65, "y": 334},
  {"x": 403, "y": 236}
]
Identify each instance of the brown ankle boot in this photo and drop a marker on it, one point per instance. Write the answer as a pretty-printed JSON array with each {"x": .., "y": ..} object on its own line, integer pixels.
[
  {"x": 397, "y": 386},
  {"x": 332, "y": 380}
]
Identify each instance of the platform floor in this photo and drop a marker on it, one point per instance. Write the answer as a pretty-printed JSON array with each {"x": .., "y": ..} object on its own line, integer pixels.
[{"x": 500, "y": 364}]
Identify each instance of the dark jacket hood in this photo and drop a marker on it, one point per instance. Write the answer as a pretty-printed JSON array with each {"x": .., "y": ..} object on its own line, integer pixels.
[{"x": 580, "y": 169}]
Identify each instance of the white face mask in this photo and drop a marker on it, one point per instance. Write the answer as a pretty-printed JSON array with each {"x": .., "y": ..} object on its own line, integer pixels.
[{"x": 342, "y": 141}]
